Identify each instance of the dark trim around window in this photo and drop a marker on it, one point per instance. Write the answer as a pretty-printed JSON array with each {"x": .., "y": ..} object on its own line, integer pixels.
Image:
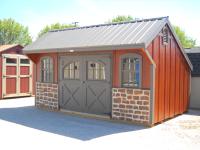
[
  {"x": 128, "y": 77},
  {"x": 46, "y": 69}
]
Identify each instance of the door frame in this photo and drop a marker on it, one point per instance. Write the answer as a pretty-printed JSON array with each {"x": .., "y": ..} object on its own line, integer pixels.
[
  {"x": 108, "y": 54},
  {"x": 17, "y": 76}
]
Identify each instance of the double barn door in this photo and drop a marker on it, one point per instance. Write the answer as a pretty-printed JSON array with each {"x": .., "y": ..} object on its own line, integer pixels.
[
  {"x": 16, "y": 76},
  {"x": 85, "y": 84}
]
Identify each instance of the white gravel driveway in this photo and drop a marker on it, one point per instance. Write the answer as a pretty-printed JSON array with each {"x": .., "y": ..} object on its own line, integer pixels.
[{"x": 22, "y": 126}]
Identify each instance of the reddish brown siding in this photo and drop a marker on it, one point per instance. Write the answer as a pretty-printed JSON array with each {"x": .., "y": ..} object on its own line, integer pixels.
[
  {"x": 34, "y": 78},
  {"x": 172, "y": 79}
]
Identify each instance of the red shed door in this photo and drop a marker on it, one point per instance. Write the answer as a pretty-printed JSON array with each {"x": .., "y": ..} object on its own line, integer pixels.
[{"x": 17, "y": 76}]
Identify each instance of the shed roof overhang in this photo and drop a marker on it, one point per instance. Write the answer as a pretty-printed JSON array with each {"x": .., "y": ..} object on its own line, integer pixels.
[
  {"x": 86, "y": 48},
  {"x": 95, "y": 48}
]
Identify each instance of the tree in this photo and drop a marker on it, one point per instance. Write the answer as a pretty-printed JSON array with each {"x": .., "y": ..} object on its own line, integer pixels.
[
  {"x": 12, "y": 32},
  {"x": 54, "y": 27},
  {"x": 121, "y": 18},
  {"x": 186, "y": 41}
]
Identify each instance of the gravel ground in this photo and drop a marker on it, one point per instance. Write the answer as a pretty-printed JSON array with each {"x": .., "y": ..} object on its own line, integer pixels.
[{"x": 22, "y": 126}]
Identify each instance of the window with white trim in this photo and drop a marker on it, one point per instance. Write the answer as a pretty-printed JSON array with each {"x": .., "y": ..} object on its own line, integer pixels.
[
  {"x": 46, "y": 69},
  {"x": 131, "y": 71}
]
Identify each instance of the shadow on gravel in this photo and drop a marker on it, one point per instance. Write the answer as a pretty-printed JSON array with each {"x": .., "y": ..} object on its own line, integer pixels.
[
  {"x": 62, "y": 124},
  {"x": 194, "y": 112}
]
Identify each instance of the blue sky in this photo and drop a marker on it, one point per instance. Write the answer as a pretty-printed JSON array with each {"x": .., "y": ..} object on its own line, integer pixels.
[{"x": 37, "y": 13}]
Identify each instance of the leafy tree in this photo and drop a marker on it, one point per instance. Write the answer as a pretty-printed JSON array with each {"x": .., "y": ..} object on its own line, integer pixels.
[
  {"x": 54, "y": 27},
  {"x": 121, "y": 18},
  {"x": 186, "y": 41},
  {"x": 12, "y": 32}
]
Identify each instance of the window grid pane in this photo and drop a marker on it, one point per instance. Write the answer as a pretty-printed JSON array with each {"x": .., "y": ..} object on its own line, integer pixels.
[
  {"x": 11, "y": 60},
  {"x": 96, "y": 71},
  {"x": 24, "y": 61},
  {"x": 47, "y": 70},
  {"x": 131, "y": 72},
  {"x": 71, "y": 71}
]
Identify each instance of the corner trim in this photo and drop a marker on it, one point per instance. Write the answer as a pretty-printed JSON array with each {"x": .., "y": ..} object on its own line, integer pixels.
[{"x": 152, "y": 94}]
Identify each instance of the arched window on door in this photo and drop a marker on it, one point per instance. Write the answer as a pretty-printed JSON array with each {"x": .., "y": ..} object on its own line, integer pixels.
[
  {"x": 96, "y": 70},
  {"x": 71, "y": 71}
]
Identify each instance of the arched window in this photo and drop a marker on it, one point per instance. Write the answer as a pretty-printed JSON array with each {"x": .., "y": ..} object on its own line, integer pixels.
[
  {"x": 71, "y": 70},
  {"x": 96, "y": 71},
  {"x": 46, "y": 69},
  {"x": 131, "y": 70}
]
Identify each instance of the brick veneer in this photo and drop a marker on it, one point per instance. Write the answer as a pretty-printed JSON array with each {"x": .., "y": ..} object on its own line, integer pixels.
[
  {"x": 131, "y": 105},
  {"x": 47, "y": 96}
]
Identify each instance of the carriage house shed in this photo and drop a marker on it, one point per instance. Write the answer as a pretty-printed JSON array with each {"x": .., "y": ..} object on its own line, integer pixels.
[{"x": 132, "y": 71}]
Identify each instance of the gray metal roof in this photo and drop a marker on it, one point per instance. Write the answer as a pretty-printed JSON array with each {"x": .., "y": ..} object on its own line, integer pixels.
[
  {"x": 194, "y": 56},
  {"x": 113, "y": 36},
  {"x": 103, "y": 36},
  {"x": 192, "y": 50}
]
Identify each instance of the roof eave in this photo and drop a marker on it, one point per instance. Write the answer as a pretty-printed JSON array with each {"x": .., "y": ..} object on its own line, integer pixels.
[
  {"x": 14, "y": 45},
  {"x": 84, "y": 49}
]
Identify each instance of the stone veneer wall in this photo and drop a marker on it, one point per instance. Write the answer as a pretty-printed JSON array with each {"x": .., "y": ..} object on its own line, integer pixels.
[
  {"x": 131, "y": 105},
  {"x": 47, "y": 96}
]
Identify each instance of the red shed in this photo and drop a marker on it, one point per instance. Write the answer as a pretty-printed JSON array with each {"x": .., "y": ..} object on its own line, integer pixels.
[
  {"x": 16, "y": 72},
  {"x": 132, "y": 71}
]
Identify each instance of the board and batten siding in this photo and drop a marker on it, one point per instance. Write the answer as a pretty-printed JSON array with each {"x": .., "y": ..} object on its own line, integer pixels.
[{"x": 172, "y": 79}]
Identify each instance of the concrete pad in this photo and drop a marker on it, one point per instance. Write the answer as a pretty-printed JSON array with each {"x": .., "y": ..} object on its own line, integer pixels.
[{"x": 22, "y": 126}]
